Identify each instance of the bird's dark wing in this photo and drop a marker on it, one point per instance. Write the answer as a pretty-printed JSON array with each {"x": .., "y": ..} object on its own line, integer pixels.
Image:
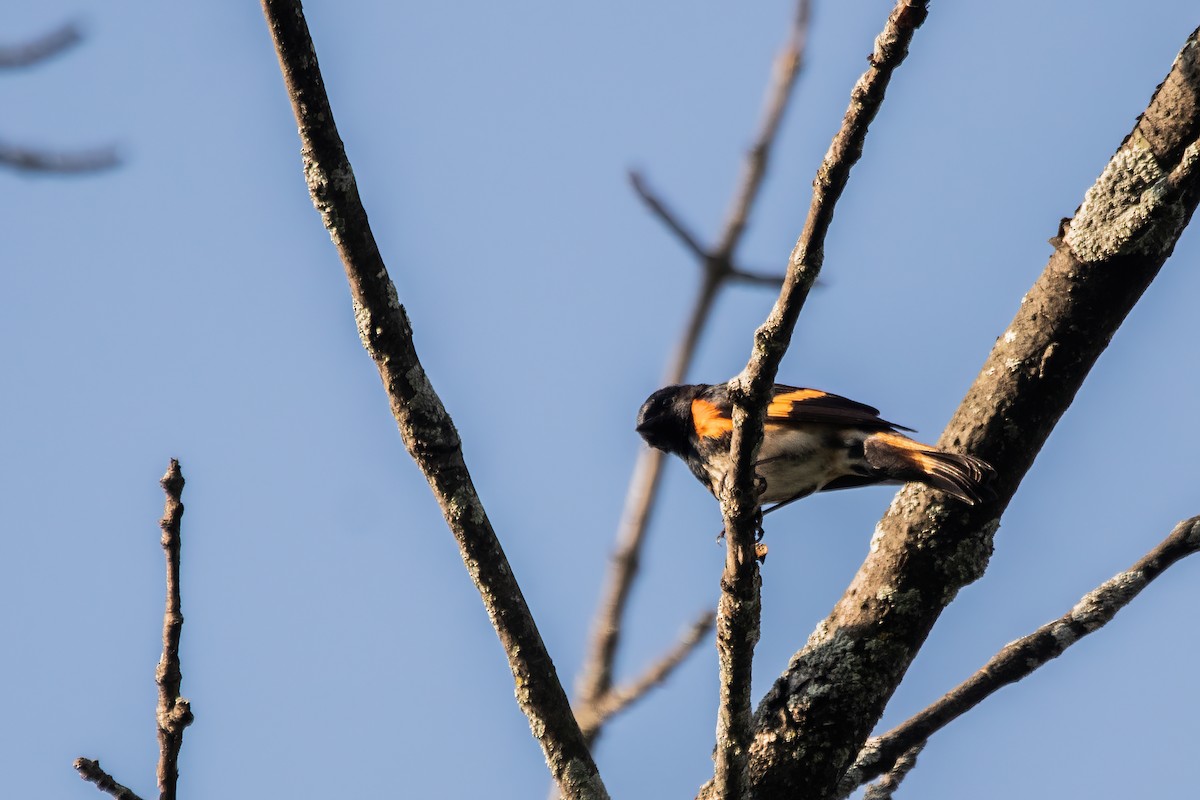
[{"x": 791, "y": 404}]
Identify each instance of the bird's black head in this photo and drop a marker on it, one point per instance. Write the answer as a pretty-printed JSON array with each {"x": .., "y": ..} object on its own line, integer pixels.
[{"x": 665, "y": 418}]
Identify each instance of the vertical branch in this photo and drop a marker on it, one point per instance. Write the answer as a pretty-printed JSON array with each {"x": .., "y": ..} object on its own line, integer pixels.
[
  {"x": 596, "y": 677},
  {"x": 427, "y": 430},
  {"x": 738, "y": 612},
  {"x": 174, "y": 712}
]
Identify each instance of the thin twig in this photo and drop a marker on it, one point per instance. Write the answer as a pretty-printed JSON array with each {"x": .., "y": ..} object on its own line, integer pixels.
[
  {"x": 596, "y": 677},
  {"x": 756, "y": 278},
  {"x": 427, "y": 430},
  {"x": 887, "y": 786},
  {"x": 738, "y": 610},
  {"x": 31, "y": 159},
  {"x": 90, "y": 771},
  {"x": 1020, "y": 658},
  {"x": 669, "y": 218},
  {"x": 41, "y": 48},
  {"x": 783, "y": 77},
  {"x": 820, "y": 711},
  {"x": 620, "y": 698},
  {"x": 174, "y": 712}
]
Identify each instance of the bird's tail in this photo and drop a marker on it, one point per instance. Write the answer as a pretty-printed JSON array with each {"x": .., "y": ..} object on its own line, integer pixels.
[{"x": 897, "y": 457}]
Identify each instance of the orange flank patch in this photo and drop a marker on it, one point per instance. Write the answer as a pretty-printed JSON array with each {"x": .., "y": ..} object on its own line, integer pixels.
[
  {"x": 708, "y": 420},
  {"x": 781, "y": 404}
]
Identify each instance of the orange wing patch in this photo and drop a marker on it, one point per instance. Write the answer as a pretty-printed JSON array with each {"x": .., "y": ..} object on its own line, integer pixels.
[
  {"x": 781, "y": 404},
  {"x": 708, "y": 420}
]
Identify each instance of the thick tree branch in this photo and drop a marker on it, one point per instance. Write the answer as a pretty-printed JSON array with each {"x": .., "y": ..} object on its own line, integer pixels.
[
  {"x": 425, "y": 427},
  {"x": 815, "y": 719},
  {"x": 596, "y": 677},
  {"x": 1020, "y": 658},
  {"x": 90, "y": 771},
  {"x": 174, "y": 712},
  {"x": 738, "y": 610}
]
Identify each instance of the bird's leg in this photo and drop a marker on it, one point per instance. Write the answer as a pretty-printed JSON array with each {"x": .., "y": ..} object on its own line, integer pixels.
[{"x": 760, "y": 486}]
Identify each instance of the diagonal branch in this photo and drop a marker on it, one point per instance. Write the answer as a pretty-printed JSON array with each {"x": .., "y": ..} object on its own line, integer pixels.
[
  {"x": 45, "y": 46},
  {"x": 815, "y": 719},
  {"x": 596, "y": 677},
  {"x": 669, "y": 218},
  {"x": 739, "y": 607},
  {"x": 1020, "y": 658},
  {"x": 783, "y": 77},
  {"x": 620, "y": 698},
  {"x": 426, "y": 428},
  {"x": 90, "y": 771},
  {"x": 887, "y": 786},
  {"x": 174, "y": 712}
]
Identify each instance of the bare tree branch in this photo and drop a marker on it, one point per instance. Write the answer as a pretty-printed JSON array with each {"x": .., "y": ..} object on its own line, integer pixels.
[
  {"x": 425, "y": 427},
  {"x": 813, "y": 722},
  {"x": 90, "y": 771},
  {"x": 754, "y": 169},
  {"x": 668, "y": 217},
  {"x": 885, "y": 788},
  {"x": 33, "y": 159},
  {"x": 739, "y": 606},
  {"x": 174, "y": 712},
  {"x": 1020, "y": 658},
  {"x": 39, "y": 159},
  {"x": 620, "y": 698},
  {"x": 596, "y": 677},
  {"x": 757, "y": 279},
  {"x": 45, "y": 46}
]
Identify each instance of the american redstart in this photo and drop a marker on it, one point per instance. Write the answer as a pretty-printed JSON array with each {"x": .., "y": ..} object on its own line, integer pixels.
[{"x": 813, "y": 441}]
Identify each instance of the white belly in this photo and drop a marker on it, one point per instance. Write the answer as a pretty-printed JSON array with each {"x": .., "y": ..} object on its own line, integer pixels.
[{"x": 796, "y": 462}]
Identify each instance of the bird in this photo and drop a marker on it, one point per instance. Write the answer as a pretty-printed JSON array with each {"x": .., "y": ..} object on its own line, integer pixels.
[{"x": 813, "y": 441}]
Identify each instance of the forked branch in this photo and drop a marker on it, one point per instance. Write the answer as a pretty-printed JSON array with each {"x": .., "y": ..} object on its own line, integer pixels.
[
  {"x": 596, "y": 677},
  {"x": 816, "y": 718},
  {"x": 1022, "y": 657}
]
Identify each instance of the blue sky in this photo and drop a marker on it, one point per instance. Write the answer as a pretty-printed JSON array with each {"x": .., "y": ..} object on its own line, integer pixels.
[{"x": 189, "y": 304}]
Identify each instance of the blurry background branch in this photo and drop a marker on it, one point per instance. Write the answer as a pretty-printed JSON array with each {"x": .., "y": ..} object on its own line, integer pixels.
[
  {"x": 40, "y": 48},
  {"x": 27, "y": 158},
  {"x": 595, "y": 683},
  {"x": 816, "y": 718}
]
